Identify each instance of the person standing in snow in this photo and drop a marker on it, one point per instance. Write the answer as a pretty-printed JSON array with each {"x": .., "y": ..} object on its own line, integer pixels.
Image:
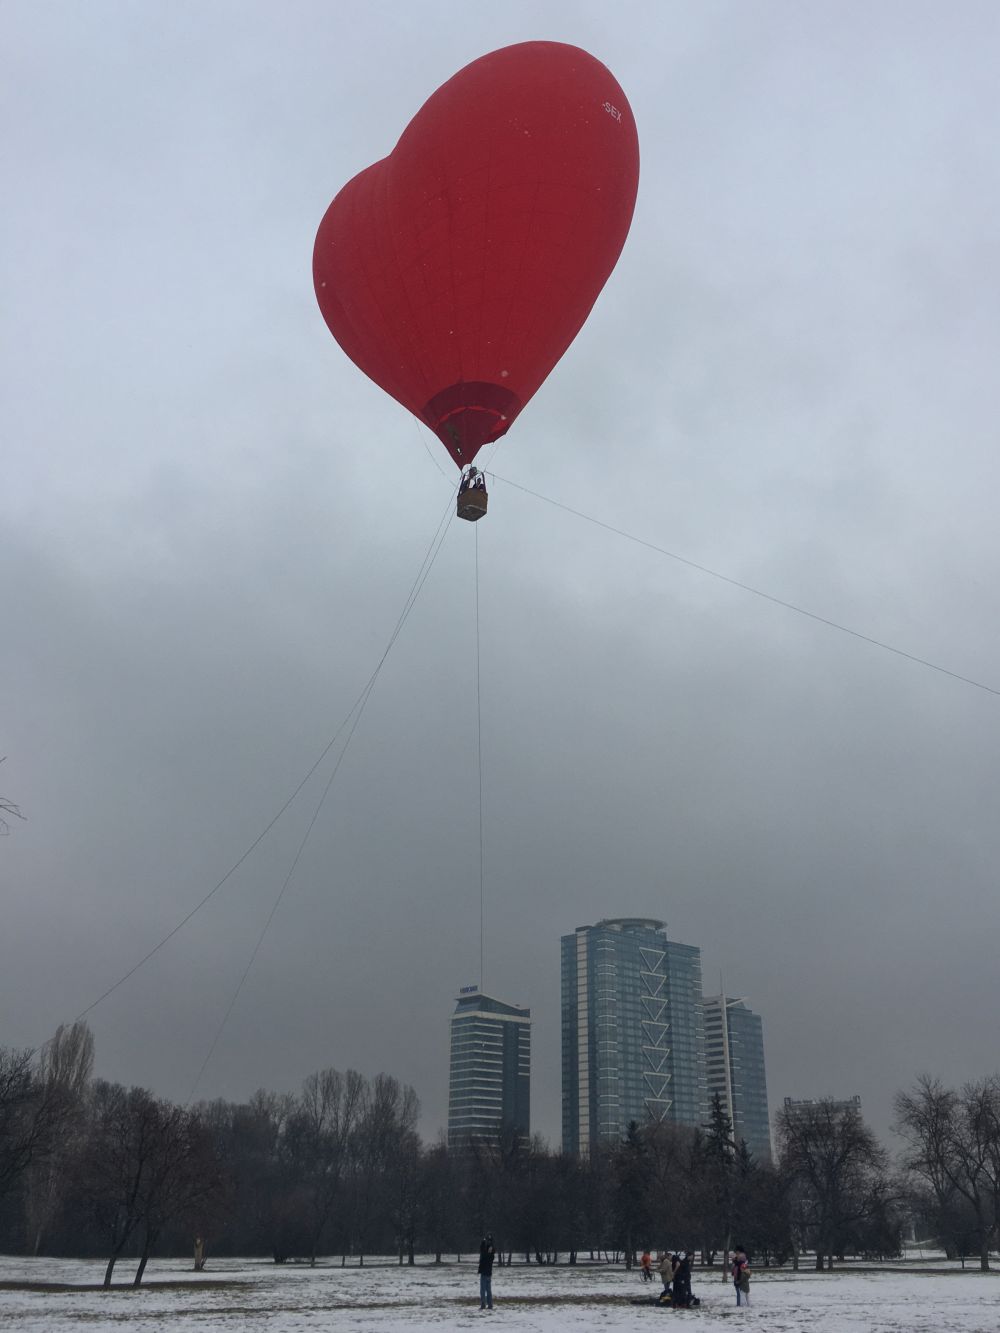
[
  {"x": 741, "y": 1275},
  {"x": 682, "y": 1279},
  {"x": 487, "y": 1253},
  {"x": 666, "y": 1270}
]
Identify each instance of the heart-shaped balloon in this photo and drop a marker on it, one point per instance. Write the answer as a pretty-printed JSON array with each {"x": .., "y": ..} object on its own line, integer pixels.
[{"x": 456, "y": 271}]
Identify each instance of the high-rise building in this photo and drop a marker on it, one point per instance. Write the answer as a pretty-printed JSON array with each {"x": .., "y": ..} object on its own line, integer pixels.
[
  {"x": 633, "y": 1041},
  {"x": 734, "y": 1058},
  {"x": 490, "y": 1078},
  {"x": 808, "y": 1108}
]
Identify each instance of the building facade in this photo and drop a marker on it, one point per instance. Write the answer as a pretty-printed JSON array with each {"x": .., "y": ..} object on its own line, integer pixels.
[
  {"x": 633, "y": 1040},
  {"x": 489, "y": 1083},
  {"x": 734, "y": 1059},
  {"x": 808, "y": 1108}
]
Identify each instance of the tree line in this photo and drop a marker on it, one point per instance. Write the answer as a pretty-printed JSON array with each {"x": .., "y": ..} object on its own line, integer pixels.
[{"x": 93, "y": 1169}]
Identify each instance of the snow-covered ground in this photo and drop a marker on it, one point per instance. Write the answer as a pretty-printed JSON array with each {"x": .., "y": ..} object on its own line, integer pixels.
[{"x": 254, "y": 1295}]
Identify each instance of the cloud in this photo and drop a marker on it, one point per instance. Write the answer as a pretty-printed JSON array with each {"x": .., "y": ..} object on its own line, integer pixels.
[{"x": 210, "y": 523}]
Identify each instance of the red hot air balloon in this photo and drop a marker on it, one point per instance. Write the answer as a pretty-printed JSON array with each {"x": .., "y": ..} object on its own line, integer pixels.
[{"x": 456, "y": 271}]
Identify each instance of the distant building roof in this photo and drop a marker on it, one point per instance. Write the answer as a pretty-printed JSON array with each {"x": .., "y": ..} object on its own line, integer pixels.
[{"x": 630, "y": 923}]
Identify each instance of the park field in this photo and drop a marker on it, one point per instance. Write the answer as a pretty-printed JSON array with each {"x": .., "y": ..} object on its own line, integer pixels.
[{"x": 51, "y": 1295}]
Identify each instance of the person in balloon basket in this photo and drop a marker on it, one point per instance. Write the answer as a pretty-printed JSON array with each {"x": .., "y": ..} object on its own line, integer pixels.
[
  {"x": 741, "y": 1275},
  {"x": 473, "y": 480},
  {"x": 487, "y": 1253}
]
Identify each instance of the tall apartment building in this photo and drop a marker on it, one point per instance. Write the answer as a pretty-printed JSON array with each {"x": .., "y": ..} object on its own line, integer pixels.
[
  {"x": 734, "y": 1059},
  {"x": 490, "y": 1075},
  {"x": 633, "y": 1041},
  {"x": 807, "y": 1108}
]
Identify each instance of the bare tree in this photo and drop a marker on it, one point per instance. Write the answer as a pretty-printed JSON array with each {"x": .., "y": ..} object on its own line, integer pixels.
[
  {"x": 673, "y": 1154},
  {"x": 182, "y": 1176},
  {"x": 20, "y": 1132},
  {"x": 64, "y": 1072},
  {"x": 437, "y": 1191},
  {"x": 318, "y": 1135},
  {"x": 116, "y": 1155},
  {"x": 260, "y": 1179},
  {"x": 404, "y": 1189},
  {"x": 7, "y": 808},
  {"x": 493, "y": 1169},
  {"x": 146, "y": 1161},
  {"x": 34, "y": 1105},
  {"x": 837, "y": 1169},
  {"x": 388, "y": 1115},
  {"x": 953, "y": 1144}
]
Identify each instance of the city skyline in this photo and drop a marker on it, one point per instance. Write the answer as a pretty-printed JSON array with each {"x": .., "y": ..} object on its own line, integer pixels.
[
  {"x": 628, "y": 1052},
  {"x": 733, "y": 1056}
]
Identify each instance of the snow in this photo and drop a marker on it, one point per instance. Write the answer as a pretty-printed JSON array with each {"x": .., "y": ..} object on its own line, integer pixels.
[{"x": 240, "y": 1294}]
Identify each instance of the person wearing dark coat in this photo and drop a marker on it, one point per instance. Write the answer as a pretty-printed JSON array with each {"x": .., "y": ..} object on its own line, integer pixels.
[
  {"x": 487, "y": 1253},
  {"x": 682, "y": 1280}
]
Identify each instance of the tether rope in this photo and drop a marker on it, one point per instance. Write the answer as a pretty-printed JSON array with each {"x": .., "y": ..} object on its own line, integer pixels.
[
  {"x": 748, "y": 587},
  {"x": 316, "y": 813},
  {"x": 425, "y": 565},
  {"x": 479, "y": 758}
]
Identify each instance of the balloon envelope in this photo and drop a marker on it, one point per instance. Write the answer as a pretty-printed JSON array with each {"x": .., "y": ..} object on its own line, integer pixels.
[{"x": 456, "y": 271}]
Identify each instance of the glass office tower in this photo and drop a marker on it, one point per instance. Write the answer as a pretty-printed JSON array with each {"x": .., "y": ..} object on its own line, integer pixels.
[
  {"x": 490, "y": 1077},
  {"x": 633, "y": 1039},
  {"x": 734, "y": 1055}
]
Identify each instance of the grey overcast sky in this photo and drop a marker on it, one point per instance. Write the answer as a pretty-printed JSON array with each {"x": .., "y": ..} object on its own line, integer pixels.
[{"x": 210, "y": 520}]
